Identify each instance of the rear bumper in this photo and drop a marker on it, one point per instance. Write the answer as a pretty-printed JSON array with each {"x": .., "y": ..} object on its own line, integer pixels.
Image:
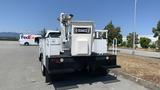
[{"x": 71, "y": 64}]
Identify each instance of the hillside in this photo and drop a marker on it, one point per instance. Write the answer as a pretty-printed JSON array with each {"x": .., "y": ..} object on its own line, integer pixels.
[{"x": 9, "y": 36}]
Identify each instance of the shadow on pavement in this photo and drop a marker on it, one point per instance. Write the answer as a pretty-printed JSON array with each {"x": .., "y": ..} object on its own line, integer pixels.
[{"x": 71, "y": 80}]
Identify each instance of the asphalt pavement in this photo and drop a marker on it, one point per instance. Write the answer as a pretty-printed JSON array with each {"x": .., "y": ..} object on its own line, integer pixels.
[{"x": 20, "y": 70}]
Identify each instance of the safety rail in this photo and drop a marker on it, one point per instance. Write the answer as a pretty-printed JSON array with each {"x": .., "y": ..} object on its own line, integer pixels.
[{"x": 114, "y": 46}]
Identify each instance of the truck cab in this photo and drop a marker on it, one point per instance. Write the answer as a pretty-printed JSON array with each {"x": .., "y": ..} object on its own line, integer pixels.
[{"x": 50, "y": 44}]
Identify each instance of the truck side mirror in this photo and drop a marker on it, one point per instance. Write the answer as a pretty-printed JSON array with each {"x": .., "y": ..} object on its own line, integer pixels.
[{"x": 37, "y": 40}]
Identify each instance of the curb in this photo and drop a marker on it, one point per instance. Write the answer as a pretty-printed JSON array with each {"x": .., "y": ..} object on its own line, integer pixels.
[{"x": 140, "y": 81}]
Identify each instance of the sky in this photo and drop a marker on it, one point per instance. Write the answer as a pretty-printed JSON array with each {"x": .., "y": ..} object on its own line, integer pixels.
[{"x": 31, "y": 16}]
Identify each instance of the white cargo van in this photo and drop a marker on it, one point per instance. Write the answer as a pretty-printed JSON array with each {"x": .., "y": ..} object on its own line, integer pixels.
[{"x": 29, "y": 39}]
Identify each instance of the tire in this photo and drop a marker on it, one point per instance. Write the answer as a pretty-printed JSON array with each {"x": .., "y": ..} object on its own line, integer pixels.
[
  {"x": 26, "y": 44},
  {"x": 96, "y": 70},
  {"x": 47, "y": 74},
  {"x": 40, "y": 57},
  {"x": 101, "y": 71},
  {"x": 47, "y": 77},
  {"x": 43, "y": 69}
]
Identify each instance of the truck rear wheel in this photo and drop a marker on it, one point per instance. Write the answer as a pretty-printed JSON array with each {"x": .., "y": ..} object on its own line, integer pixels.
[
  {"x": 97, "y": 70},
  {"x": 47, "y": 74},
  {"x": 43, "y": 69},
  {"x": 101, "y": 71},
  {"x": 47, "y": 77}
]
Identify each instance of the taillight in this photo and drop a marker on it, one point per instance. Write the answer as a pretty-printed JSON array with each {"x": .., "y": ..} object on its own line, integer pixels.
[{"x": 55, "y": 60}]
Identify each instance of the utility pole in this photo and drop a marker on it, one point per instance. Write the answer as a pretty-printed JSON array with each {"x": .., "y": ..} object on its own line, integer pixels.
[{"x": 134, "y": 32}]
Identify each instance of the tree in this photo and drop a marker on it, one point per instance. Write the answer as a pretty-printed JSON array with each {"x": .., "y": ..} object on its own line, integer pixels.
[
  {"x": 152, "y": 46},
  {"x": 43, "y": 32},
  {"x": 124, "y": 44},
  {"x": 130, "y": 39},
  {"x": 144, "y": 42},
  {"x": 113, "y": 32},
  {"x": 156, "y": 31}
]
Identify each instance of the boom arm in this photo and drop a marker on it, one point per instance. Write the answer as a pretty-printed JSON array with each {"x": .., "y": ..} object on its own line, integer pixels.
[{"x": 64, "y": 20}]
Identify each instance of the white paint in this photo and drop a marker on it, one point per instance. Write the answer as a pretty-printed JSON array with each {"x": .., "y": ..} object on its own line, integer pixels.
[
  {"x": 99, "y": 46},
  {"x": 81, "y": 43}
]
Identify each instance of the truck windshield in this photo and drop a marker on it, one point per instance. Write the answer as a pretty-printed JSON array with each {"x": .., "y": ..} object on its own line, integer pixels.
[{"x": 54, "y": 34}]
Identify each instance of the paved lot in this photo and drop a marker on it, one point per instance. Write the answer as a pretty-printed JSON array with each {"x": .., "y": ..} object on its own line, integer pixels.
[{"x": 20, "y": 70}]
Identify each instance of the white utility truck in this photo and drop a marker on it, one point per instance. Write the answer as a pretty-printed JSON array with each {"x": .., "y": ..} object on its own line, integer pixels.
[
  {"x": 29, "y": 39},
  {"x": 75, "y": 47}
]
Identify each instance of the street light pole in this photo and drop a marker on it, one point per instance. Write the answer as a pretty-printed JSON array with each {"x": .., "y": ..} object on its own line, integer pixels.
[{"x": 134, "y": 32}]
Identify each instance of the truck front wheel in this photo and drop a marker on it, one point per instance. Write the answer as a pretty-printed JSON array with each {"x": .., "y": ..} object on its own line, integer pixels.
[{"x": 40, "y": 57}]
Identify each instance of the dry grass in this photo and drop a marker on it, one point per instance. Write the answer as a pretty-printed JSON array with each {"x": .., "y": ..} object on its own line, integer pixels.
[{"x": 142, "y": 67}]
